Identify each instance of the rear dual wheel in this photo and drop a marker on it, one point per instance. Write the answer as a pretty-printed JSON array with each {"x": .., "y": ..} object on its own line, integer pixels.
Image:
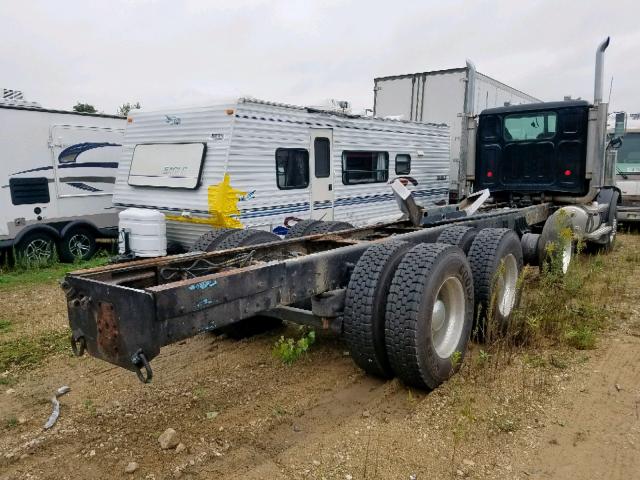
[
  {"x": 409, "y": 311},
  {"x": 429, "y": 314}
]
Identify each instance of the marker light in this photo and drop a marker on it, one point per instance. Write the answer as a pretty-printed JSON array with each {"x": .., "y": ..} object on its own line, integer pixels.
[
  {"x": 489, "y": 174},
  {"x": 129, "y": 119},
  {"x": 567, "y": 173}
]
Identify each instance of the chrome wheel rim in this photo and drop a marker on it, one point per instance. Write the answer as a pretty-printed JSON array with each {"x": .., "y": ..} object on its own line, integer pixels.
[
  {"x": 447, "y": 317},
  {"x": 79, "y": 245},
  {"x": 506, "y": 285},
  {"x": 39, "y": 250},
  {"x": 567, "y": 254}
]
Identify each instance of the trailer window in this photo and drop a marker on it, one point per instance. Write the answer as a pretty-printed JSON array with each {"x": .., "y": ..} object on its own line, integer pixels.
[
  {"x": 365, "y": 167},
  {"x": 292, "y": 168},
  {"x": 403, "y": 164},
  {"x": 168, "y": 165},
  {"x": 530, "y": 126},
  {"x": 322, "y": 154}
]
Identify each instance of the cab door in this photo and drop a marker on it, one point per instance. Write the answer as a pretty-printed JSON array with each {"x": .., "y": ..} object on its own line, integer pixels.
[{"x": 321, "y": 153}]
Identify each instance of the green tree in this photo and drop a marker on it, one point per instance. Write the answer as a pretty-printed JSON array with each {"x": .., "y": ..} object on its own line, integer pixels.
[
  {"x": 84, "y": 108},
  {"x": 125, "y": 108}
]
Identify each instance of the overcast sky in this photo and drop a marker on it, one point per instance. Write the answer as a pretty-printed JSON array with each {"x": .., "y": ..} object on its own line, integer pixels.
[{"x": 184, "y": 52}]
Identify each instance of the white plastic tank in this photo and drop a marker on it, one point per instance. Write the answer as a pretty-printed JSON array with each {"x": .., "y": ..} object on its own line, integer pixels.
[{"x": 145, "y": 231}]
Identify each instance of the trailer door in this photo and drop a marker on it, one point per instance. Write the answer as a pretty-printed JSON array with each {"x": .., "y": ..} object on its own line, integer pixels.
[{"x": 321, "y": 149}]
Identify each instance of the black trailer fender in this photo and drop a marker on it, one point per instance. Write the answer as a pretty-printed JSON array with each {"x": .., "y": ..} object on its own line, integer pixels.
[{"x": 45, "y": 228}]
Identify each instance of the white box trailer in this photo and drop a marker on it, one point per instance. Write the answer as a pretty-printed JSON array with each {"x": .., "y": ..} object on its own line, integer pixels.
[
  {"x": 444, "y": 96},
  {"x": 56, "y": 179},
  {"x": 261, "y": 165}
]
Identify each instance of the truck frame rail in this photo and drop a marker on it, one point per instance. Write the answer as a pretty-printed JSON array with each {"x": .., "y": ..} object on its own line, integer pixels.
[{"x": 125, "y": 313}]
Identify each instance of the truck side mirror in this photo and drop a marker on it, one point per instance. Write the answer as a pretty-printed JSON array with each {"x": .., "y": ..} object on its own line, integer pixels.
[
  {"x": 621, "y": 124},
  {"x": 615, "y": 143}
]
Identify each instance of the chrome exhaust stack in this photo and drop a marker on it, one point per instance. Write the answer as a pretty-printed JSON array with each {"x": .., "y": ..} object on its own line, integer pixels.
[{"x": 599, "y": 75}]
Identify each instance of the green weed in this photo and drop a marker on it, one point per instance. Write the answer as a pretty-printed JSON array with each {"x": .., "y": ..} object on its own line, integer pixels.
[
  {"x": 11, "y": 422},
  {"x": 5, "y": 326},
  {"x": 90, "y": 407},
  {"x": 289, "y": 350},
  {"x": 24, "y": 352},
  {"x": 582, "y": 337},
  {"x": 505, "y": 423}
]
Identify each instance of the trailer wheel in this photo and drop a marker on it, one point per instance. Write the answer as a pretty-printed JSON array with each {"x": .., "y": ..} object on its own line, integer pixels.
[
  {"x": 244, "y": 238},
  {"x": 208, "y": 242},
  {"x": 36, "y": 248},
  {"x": 78, "y": 244},
  {"x": 458, "y": 235},
  {"x": 496, "y": 262},
  {"x": 429, "y": 314},
  {"x": 298, "y": 230},
  {"x": 327, "y": 227},
  {"x": 365, "y": 306}
]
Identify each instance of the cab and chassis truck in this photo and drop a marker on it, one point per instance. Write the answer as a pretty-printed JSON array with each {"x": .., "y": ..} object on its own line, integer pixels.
[{"x": 404, "y": 295}]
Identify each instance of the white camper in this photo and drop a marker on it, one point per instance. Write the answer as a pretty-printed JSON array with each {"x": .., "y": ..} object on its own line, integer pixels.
[
  {"x": 444, "y": 96},
  {"x": 56, "y": 177},
  {"x": 262, "y": 165}
]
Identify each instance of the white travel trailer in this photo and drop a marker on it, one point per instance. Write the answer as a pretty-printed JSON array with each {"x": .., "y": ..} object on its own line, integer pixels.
[
  {"x": 56, "y": 179},
  {"x": 261, "y": 165},
  {"x": 444, "y": 96}
]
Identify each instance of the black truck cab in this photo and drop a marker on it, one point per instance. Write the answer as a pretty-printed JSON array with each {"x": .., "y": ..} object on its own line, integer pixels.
[{"x": 533, "y": 149}]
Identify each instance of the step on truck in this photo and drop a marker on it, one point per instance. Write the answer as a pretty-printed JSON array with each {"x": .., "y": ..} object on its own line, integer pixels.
[{"x": 404, "y": 294}]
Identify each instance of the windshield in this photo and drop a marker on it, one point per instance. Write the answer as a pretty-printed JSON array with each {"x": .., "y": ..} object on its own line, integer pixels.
[{"x": 629, "y": 154}]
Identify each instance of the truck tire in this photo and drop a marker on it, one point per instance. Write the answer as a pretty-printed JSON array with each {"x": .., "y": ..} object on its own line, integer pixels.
[
  {"x": 530, "y": 254},
  {"x": 77, "y": 244},
  {"x": 299, "y": 228},
  {"x": 551, "y": 233},
  {"x": 612, "y": 221},
  {"x": 458, "y": 235},
  {"x": 496, "y": 262},
  {"x": 36, "y": 248},
  {"x": 207, "y": 242},
  {"x": 327, "y": 227},
  {"x": 365, "y": 306},
  {"x": 244, "y": 238},
  {"x": 429, "y": 314}
]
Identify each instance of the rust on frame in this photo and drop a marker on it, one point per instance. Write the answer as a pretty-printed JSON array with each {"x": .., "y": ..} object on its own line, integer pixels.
[{"x": 108, "y": 333}]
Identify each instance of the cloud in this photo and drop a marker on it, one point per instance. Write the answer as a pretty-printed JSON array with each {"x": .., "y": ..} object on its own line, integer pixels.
[{"x": 165, "y": 52}]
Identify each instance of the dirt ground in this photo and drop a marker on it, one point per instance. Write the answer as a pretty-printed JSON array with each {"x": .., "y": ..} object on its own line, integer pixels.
[{"x": 241, "y": 413}]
